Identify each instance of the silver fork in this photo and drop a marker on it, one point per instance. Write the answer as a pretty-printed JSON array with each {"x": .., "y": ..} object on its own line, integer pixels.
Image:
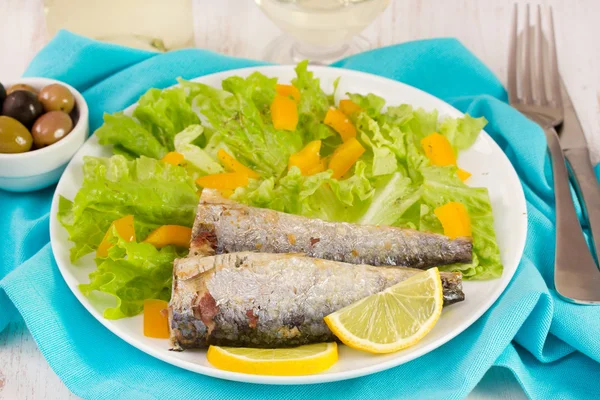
[{"x": 576, "y": 276}]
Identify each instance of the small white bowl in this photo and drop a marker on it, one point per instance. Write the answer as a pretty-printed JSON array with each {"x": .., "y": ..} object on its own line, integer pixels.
[{"x": 34, "y": 170}]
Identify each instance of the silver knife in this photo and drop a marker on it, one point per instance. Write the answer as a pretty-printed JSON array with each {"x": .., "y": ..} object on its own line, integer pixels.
[{"x": 575, "y": 148}]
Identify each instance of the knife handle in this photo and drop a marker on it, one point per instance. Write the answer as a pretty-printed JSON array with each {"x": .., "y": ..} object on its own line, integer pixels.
[
  {"x": 576, "y": 276},
  {"x": 588, "y": 188}
]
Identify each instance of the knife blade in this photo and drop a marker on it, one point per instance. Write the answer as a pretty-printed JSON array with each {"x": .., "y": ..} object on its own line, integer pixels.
[
  {"x": 575, "y": 148},
  {"x": 571, "y": 132}
]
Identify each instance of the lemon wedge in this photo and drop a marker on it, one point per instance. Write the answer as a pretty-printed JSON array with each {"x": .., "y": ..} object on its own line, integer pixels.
[
  {"x": 393, "y": 319},
  {"x": 302, "y": 360}
]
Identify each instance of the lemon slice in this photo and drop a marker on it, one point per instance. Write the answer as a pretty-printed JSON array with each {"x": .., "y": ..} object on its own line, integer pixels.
[
  {"x": 302, "y": 360},
  {"x": 393, "y": 319}
]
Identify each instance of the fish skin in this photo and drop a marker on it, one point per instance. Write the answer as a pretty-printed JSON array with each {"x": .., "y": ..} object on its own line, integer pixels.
[
  {"x": 272, "y": 300},
  {"x": 224, "y": 226}
]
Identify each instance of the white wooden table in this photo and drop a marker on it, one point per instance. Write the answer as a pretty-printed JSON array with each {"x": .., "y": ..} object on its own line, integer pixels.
[{"x": 238, "y": 28}]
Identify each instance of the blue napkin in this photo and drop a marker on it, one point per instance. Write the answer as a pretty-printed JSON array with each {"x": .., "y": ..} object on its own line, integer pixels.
[{"x": 552, "y": 347}]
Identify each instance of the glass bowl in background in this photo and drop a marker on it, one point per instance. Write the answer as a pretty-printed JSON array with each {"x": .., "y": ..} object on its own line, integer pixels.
[{"x": 321, "y": 31}]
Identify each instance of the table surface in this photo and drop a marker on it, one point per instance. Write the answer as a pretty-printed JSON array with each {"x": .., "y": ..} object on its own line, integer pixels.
[{"x": 240, "y": 29}]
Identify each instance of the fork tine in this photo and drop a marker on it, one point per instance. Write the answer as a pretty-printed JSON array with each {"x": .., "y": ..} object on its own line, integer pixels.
[
  {"x": 540, "y": 64},
  {"x": 526, "y": 86},
  {"x": 512, "y": 58},
  {"x": 555, "y": 96}
]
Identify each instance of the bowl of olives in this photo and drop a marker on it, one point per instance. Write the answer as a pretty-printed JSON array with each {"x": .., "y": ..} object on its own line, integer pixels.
[{"x": 43, "y": 122}]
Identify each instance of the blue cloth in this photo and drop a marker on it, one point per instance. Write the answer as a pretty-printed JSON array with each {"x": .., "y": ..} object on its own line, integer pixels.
[{"x": 552, "y": 347}]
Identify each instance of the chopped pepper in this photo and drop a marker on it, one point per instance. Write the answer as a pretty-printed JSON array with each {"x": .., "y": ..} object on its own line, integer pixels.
[
  {"x": 234, "y": 165},
  {"x": 228, "y": 180},
  {"x": 170, "y": 234},
  {"x": 124, "y": 227},
  {"x": 226, "y": 192},
  {"x": 462, "y": 174},
  {"x": 173, "y": 157},
  {"x": 320, "y": 167},
  {"x": 439, "y": 151},
  {"x": 344, "y": 157},
  {"x": 156, "y": 321},
  {"x": 455, "y": 219},
  {"x": 307, "y": 158},
  {"x": 349, "y": 107},
  {"x": 284, "y": 113},
  {"x": 340, "y": 123},
  {"x": 288, "y": 91}
]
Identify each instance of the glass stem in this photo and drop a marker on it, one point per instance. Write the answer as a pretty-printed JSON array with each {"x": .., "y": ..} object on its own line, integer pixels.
[{"x": 317, "y": 54}]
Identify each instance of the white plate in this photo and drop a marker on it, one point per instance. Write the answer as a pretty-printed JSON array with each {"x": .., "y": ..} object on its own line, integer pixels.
[{"x": 485, "y": 160}]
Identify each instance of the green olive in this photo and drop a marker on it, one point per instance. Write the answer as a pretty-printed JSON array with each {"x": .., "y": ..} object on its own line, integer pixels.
[
  {"x": 21, "y": 86},
  {"x": 14, "y": 137},
  {"x": 50, "y": 128},
  {"x": 56, "y": 97}
]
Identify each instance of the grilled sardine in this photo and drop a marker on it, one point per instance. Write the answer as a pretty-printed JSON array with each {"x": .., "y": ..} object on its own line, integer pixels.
[
  {"x": 224, "y": 226},
  {"x": 272, "y": 300}
]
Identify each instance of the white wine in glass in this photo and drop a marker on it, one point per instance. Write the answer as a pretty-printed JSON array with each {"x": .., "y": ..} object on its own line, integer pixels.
[{"x": 319, "y": 30}]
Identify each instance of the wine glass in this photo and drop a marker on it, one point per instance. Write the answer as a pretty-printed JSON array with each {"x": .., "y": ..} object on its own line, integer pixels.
[{"x": 321, "y": 31}]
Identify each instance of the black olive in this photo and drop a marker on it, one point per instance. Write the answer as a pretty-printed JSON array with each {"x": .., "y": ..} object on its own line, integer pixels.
[
  {"x": 23, "y": 106},
  {"x": 2, "y": 94}
]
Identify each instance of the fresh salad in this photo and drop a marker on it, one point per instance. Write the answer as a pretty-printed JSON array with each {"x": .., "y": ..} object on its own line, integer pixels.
[{"x": 268, "y": 144}]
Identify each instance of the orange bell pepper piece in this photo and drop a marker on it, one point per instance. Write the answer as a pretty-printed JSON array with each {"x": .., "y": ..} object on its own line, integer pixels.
[
  {"x": 226, "y": 192},
  {"x": 234, "y": 165},
  {"x": 156, "y": 321},
  {"x": 438, "y": 149},
  {"x": 320, "y": 167},
  {"x": 455, "y": 219},
  {"x": 288, "y": 91},
  {"x": 284, "y": 113},
  {"x": 228, "y": 180},
  {"x": 173, "y": 157},
  {"x": 125, "y": 229},
  {"x": 344, "y": 157},
  {"x": 462, "y": 174},
  {"x": 340, "y": 123},
  {"x": 170, "y": 234},
  {"x": 307, "y": 158},
  {"x": 349, "y": 107}
]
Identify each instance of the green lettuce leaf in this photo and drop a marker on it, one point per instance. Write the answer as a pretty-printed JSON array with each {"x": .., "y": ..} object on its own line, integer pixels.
[
  {"x": 371, "y": 103},
  {"x": 316, "y": 196},
  {"x": 397, "y": 115},
  {"x": 422, "y": 123},
  {"x": 150, "y": 132},
  {"x": 440, "y": 186},
  {"x": 132, "y": 273},
  {"x": 155, "y": 193},
  {"x": 312, "y": 107},
  {"x": 164, "y": 113},
  {"x": 128, "y": 137},
  {"x": 240, "y": 119},
  {"x": 393, "y": 196},
  {"x": 461, "y": 132},
  {"x": 385, "y": 144},
  {"x": 195, "y": 156}
]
